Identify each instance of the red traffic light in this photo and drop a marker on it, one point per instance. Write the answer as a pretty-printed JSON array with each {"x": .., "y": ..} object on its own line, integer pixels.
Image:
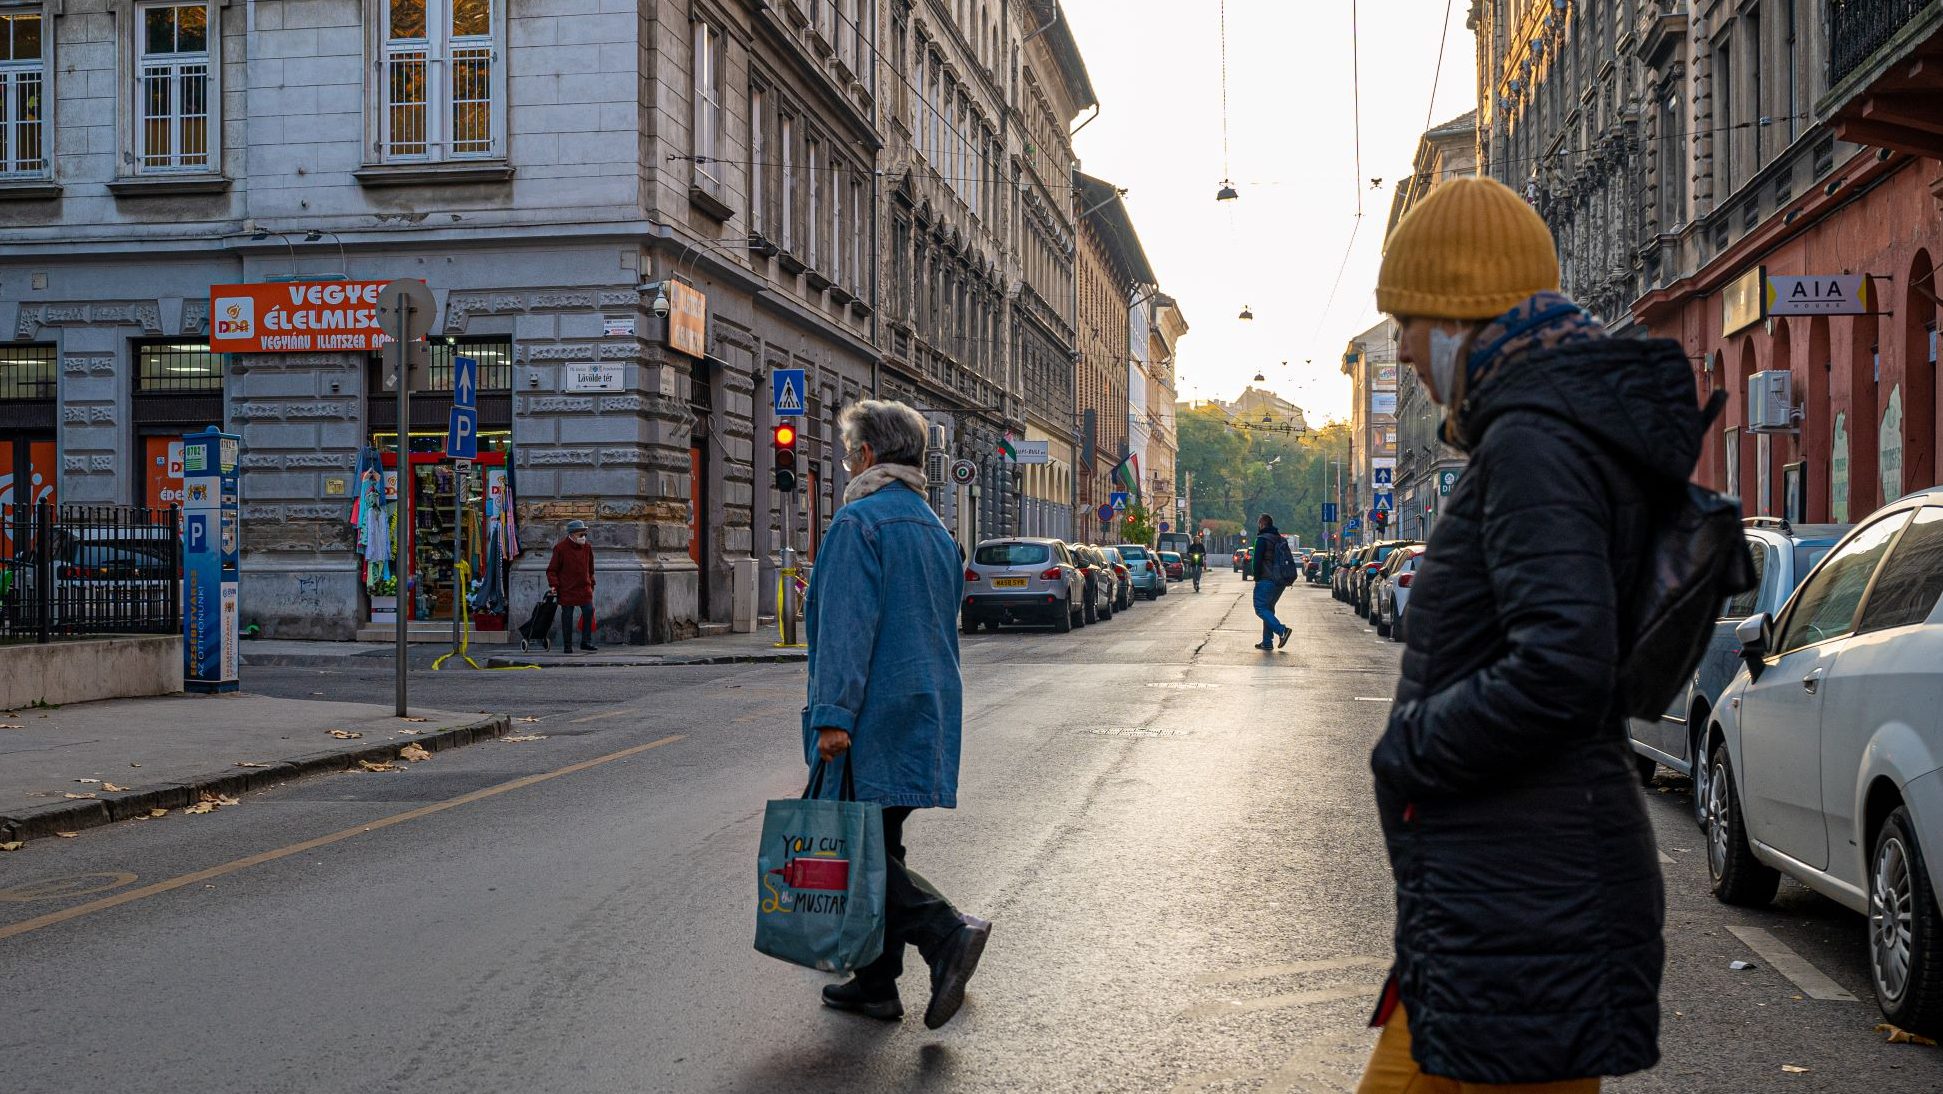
[{"x": 785, "y": 436}]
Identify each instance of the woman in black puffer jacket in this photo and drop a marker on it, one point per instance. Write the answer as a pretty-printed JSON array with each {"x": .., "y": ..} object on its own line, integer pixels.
[{"x": 1529, "y": 900}]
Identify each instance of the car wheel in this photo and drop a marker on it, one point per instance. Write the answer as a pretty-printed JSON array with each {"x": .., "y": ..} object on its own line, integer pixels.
[
  {"x": 1905, "y": 930},
  {"x": 968, "y": 626},
  {"x": 1106, "y": 610},
  {"x": 1382, "y": 628},
  {"x": 991, "y": 626},
  {"x": 1062, "y": 620},
  {"x": 1698, "y": 765},
  {"x": 1396, "y": 630},
  {"x": 1738, "y": 877},
  {"x": 1091, "y": 611},
  {"x": 1645, "y": 767}
]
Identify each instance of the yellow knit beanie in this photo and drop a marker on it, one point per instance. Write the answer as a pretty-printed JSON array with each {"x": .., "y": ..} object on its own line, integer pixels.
[{"x": 1470, "y": 250}]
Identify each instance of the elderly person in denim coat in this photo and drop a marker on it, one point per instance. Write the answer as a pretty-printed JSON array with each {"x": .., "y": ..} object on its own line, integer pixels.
[{"x": 882, "y": 627}]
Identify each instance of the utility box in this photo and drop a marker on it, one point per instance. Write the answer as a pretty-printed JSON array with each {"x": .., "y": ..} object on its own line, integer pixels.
[
  {"x": 744, "y": 606},
  {"x": 1771, "y": 402}
]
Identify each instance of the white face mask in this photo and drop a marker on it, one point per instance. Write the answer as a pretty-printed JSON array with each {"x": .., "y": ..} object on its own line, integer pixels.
[{"x": 1444, "y": 352}]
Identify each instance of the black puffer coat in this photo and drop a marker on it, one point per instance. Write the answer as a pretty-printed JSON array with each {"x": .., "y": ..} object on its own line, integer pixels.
[{"x": 1529, "y": 901}]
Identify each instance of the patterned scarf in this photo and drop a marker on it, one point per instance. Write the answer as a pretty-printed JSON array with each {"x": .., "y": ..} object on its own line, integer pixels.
[
  {"x": 879, "y": 475},
  {"x": 1541, "y": 321}
]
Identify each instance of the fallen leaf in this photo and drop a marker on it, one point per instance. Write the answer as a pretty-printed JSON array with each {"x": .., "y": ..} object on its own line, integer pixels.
[
  {"x": 215, "y": 801},
  {"x": 345, "y": 735},
  {"x": 526, "y": 718},
  {"x": 87, "y": 780},
  {"x": 1900, "y": 1036},
  {"x": 134, "y": 764},
  {"x": 409, "y": 732},
  {"x": 11, "y": 845},
  {"x": 1793, "y": 1070},
  {"x": 67, "y": 835},
  {"x": 416, "y": 719},
  {"x": 113, "y": 789},
  {"x": 1740, "y": 966},
  {"x": 413, "y": 753},
  {"x": 367, "y": 765},
  {"x": 523, "y": 738},
  {"x": 250, "y": 763},
  {"x": 11, "y": 725},
  {"x": 158, "y": 812},
  {"x": 201, "y": 807},
  {"x": 77, "y": 795}
]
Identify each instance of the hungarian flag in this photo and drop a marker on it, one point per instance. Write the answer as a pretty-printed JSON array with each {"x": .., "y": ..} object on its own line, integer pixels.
[
  {"x": 1127, "y": 474},
  {"x": 1005, "y": 448}
]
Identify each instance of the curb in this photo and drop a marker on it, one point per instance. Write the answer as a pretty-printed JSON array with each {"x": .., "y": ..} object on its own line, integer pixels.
[
  {"x": 72, "y": 816},
  {"x": 649, "y": 661},
  {"x": 308, "y": 660}
]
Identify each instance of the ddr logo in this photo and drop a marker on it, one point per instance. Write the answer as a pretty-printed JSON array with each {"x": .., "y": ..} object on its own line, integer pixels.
[{"x": 235, "y": 317}]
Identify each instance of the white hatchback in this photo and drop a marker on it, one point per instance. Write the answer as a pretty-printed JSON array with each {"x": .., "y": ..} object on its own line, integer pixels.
[{"x": 1824, "y": 752}]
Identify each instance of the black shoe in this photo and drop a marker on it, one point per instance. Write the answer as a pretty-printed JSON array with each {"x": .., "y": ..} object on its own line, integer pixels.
[
  {"x": 1264, "y": 645},
  {"x": 954, "y": 970},
  {"x": 1279, "y": 642},
  {"x": 857, "y": 999},
  {"x": 588, "y": 647}
]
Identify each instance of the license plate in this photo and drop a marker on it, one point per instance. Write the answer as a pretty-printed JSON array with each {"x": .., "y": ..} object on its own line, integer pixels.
[{"x": 1008, "y": 583}]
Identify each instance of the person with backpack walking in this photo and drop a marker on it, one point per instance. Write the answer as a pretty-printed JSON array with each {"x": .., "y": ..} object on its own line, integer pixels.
[
  {"x": 1529, "y": 906},
  {"x": 1273, "y": 563}
]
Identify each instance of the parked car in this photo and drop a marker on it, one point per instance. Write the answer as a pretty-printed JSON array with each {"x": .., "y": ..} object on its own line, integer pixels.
[
  {"x": 102, "y": 575},
  {"x": 1172, "y": 564},
  {"x": 1122, "y": 579},
  {"x": 1145, "y": 568},
  {"x": 1824, "y": 752},
  {"x": 1026, "y": 580},
  {"x": 1393, "y": 590},
  {"x": 1367, "y": 566},
  {"x": 1244, "y": 556},
  {"x": 1100, "y": 583},
  {"x": 1316, "y": 568},
  {"x": 1783, "y": 554}
]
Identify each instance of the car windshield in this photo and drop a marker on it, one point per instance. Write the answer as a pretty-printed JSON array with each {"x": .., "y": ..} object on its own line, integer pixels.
[
  {"x": 1169, "y": 556},
  {"x": 1136, "y": 553},
  {"x": 1012, "y": 554}
]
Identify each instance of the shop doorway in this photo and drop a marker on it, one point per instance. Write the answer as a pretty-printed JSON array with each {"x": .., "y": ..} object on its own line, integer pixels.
[
  {"x": 28, "y": 473},
  {"x": 446, "y": 499}
]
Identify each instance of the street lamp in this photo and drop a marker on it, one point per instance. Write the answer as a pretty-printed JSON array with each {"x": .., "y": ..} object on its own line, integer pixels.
[
  {"x": 1227, "y": 191},
  {"x": 1245, "y": 313}
]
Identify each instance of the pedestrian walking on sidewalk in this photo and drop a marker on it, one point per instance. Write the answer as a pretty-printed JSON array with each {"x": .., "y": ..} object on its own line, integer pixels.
[
  {"x": 1529, "y": 907},
  {"x": 1269, "y": 582},
  {"x": 570, "y": 574},
  {"x": 882, "y": 626}
]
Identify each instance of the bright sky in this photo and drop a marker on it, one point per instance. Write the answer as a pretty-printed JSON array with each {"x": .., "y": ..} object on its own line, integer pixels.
[{"x": 1156, "y": 65}]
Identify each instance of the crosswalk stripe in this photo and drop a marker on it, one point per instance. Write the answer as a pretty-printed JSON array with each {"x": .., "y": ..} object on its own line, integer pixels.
[
  {"x": 1811, "y": 980},
  {"x": 1280, "y": 1002}
]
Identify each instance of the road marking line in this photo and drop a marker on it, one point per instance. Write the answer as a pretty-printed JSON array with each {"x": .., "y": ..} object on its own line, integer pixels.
[
  {"x": 604, "y": 714},
  {"x": 1282, "y": 1002},
  {"x": 1665, "y": 859},
  {"x": 1266, "y": 971},
  {"x": 258, "y": 859},
  {"x": 1812, "y": 982},
  {"x": 1372, "y": 699}
]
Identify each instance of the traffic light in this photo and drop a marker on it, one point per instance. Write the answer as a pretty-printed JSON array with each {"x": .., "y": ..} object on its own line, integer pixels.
[
  {"x": 1380, "y": 518},
  {"x": 783, "y": 440}
]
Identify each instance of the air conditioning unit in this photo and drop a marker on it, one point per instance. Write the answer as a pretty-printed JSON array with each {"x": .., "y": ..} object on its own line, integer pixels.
[{"x": 1771, "y": 402}]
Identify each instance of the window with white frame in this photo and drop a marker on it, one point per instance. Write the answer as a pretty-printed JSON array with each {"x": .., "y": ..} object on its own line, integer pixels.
[
  {"x": 857, "y": 229},
  {"x": 708, "y": 105},
  {"x": 814, "y": 210},
  {"x": 838, "y": 173},
  {"x": 174, "y": 87},
  {"x": 788, "y": 194},
  {"x": 758, "y": 161},
  {"x": 23, "y": 92},
  {"x": 441, "y": 88}
]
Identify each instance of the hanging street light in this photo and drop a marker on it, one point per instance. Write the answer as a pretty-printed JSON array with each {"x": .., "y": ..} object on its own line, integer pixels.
[
  {"x": 1260, "y": 379},
  {"x": 1245, "y": 313},
  {"x": 1227, "y": 191}
]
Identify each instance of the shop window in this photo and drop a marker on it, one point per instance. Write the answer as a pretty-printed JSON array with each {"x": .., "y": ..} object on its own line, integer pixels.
[
  {"x": 441, "y": 93},
  {"x": 176, "y": 88},
  {"x": 23, "y": 90},
  {"x": 174, "y": 367},
  {"x": 432, "y": 404}
]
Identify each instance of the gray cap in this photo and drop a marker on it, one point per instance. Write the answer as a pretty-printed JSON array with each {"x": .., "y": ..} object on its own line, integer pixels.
[{"x": 576, "y": 526}]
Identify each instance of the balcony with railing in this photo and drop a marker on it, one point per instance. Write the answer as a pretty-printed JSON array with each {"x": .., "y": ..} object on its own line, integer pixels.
[{"x": 1885, "y": 74}]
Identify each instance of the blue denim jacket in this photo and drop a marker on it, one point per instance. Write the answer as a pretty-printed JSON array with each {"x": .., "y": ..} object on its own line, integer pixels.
[{"x": 882, "y": 626}]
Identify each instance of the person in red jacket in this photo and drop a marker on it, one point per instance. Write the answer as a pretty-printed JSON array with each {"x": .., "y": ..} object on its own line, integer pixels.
[{"x": 570, "y": 574}]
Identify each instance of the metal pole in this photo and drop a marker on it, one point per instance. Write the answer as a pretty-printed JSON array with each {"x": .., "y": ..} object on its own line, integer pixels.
[
  {"x": 405, "y": 537},
  {"x": 786, "y": 604},
  {"x": 462, "y": 469}
]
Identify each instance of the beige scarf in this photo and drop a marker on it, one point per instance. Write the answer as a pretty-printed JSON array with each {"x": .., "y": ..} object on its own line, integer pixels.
[{"x": 879, "y": 475}]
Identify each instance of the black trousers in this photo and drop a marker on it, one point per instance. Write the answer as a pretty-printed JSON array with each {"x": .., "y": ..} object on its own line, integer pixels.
[
  {"x": 586, "y": 625},
  {"x": 915, "y": 913}
]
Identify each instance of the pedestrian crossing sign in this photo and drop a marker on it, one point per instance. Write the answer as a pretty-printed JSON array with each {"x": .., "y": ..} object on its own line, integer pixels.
[{"x": 786, "y": 392}]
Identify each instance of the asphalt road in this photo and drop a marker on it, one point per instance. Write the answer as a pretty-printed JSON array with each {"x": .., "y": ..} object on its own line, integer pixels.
[{"x": 1171, "y": 831}]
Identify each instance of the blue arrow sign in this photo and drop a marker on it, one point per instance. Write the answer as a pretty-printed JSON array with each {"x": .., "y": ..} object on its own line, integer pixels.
[
  {"x": 787, "y": 388},
  {"x": 462, "y": 434},
  {"x": 465, "y": 383},
  {"x": 1328, "y": 512}
]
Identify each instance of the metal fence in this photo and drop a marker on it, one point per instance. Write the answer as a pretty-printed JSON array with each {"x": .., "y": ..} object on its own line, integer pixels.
[
  {"x": 89, "y": 569},
  {"x": 1858, "y": 28}
]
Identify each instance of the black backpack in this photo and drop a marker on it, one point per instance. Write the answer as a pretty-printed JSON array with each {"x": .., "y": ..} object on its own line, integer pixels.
[
  {"x": 1281, "y": 566},
  {"x": 1697, "y": 560}
]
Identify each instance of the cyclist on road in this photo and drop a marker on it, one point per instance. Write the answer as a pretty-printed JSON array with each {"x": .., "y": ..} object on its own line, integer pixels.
[{"x": 1197, "y": 558}]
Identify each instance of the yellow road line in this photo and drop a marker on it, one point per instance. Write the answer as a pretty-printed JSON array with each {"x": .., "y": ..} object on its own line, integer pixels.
[{"x": 261, "y": 857}]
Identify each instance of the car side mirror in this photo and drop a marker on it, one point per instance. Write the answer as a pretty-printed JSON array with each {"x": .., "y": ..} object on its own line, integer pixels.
[{"x": 1756, "y": 636}]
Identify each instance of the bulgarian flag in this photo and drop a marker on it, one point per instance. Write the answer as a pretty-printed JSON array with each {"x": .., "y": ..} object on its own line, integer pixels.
[
  {"x": 1127, "y": 474},
  {"x": 1005, "y": 448}
]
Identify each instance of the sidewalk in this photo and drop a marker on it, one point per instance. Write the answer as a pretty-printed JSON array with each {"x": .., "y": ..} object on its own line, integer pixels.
[
  {"x": 727, "y": 649},
  {"x": 75, "y": 767}
]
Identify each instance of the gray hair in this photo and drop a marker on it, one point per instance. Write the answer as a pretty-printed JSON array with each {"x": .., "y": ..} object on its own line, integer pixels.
[{"x": 895, "y": 432}]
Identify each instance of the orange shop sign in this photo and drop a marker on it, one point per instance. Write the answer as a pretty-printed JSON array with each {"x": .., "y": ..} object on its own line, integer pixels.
[{"x": 295, "y": 317}]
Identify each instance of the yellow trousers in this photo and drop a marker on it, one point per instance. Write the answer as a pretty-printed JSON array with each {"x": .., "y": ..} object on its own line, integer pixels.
[{"x": 1392, "y": 1071}]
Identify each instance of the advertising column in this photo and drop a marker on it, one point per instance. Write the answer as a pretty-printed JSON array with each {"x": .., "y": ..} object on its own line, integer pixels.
[{"x": 209, "y": 551}]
